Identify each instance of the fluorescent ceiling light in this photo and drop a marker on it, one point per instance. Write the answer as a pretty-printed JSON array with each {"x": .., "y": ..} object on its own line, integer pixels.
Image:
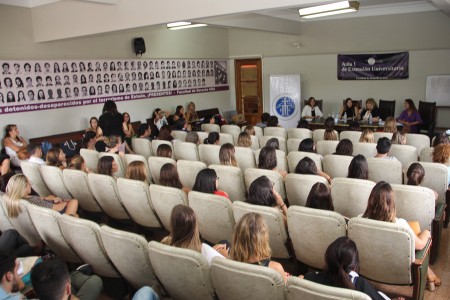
[
  {"x": 183, "y": 25},
  {"x": 329, "y": 9}
]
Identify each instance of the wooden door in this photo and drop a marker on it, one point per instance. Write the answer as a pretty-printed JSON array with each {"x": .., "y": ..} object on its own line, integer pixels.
[{"x": 249, "y": 89}]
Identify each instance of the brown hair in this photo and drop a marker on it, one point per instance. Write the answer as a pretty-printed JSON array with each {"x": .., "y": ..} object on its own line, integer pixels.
[
  {"x": 226, "y": 155},
  {"x": 329, "y": 134},
  {"x": 367, "y": 136},
  {"x": 441, "y": 153},
  {"x": 381, "y": 204},
  {"x": 415, "y": 174},
  {"x": 53, "y": 157},
  {"x": 244, "y": 140},
  {"x": 136, "y": 170},
  {"x": 390, "y": 125},
  {"x": 168, "y": 176},
  {"x": 250, "y": 130},
  {"x": 399, "y": 138},
  {"x": 320, "y": 197},
  {"x": 77, "y": 163},
  {"x": 164, "y": 150}
]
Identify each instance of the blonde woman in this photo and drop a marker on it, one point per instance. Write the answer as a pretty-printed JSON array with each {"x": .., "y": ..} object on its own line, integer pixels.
[
  {"x": 390, "y": 125},
  {"x": 367, "y": 136},
  {"x": 19, "y": 187},
  {"x": 398, "y": 138},
  {"x": 251, "y": 243},
  {"x": 226, "y": 155},
  {"x": 136, "y": 170},
  {"x": 77, "y": 163},
  {"x": 244, "y": 140},
  {"x": 250, "y": 130},
  {"x": 370, "y": 110}
]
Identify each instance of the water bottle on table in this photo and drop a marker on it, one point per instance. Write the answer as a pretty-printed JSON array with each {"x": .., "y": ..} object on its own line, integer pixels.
[{"x": 370, "y": 119}]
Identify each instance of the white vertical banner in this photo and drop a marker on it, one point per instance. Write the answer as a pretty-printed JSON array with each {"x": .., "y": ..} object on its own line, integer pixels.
[{"x": 285, "y": 95}]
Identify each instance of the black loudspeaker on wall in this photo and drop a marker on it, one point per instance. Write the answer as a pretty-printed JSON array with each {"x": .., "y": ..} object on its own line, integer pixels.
[{"x": 139, "y": 46}]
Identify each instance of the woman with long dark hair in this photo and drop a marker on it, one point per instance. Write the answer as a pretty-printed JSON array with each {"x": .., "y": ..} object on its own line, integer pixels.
[
  {"x": 168, "y": 176},
  {"x": 268, "y": 160},
  {"x": 345, "y": 147},
  {"x": 107, "y": 166},
  {"x": 308, "y": 167},
  {"x": 358, "y": 168},
  {"x": 111, "y": 120},
  {"x": 319, "y": 197},
  {"x": 208, "y": 182},
  {"x": 410, "y": 117}
]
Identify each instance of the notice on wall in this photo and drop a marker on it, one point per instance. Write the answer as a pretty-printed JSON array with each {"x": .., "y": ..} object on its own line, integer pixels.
[
  {"x": 373, "y": 66},
  {"x": 285, "y": 95},
  {"x": 40, "y": 85}
]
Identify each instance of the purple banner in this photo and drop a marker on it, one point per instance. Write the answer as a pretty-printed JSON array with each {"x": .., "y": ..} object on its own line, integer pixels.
[{"x": 373, "y": 66}]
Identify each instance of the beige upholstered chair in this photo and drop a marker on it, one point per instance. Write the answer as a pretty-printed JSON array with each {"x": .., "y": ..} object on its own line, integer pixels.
[
  {"x": 210, "y": 128},
  {"x": 295, "y": 156},
  {"x": 226, "y": 138},
  {"x": 155, "y": 164},
  {"x": 33, "y": 173},
  {"x": 397, "y": 264},
  {"x": 245, "y": 158},
  {"x": 135, "y": 196},
  {"x": 129, "y": 253},
  {"x": 281, "y": 159},
  {"x": 164, "y": 199},
  {"x": 53, "y": 178},
  {"x": 405, "y": 154},
  {"x": 255, "y": 142},
  {"x": 209, "y": 154},
  {"x": 326, "y": 147},
  {"x": 214, "y": 215},
  {"x": 275, "y": 131},
  {"x": 23, "y": 224},
  {"x": 426, "y": 154},
  {"x": 84, "y": 237},
  {"x": 120, "y": 161},
  {"x": 179, "y": 135},
  {"x": 419, "y": 141},
  {"x": 129, "y": 158},
  {"x": 188, "y": 170},
  {"x": 156, "y": 143},
  {"x": 378, "y": 135},
  {"x": 184, "y": 273},
  {"x": 251, "y": 174},
  {"x": 258, "y": 131},
  {"x": 298, "y": 187},
  {"x": 5, "y": 224},
  {"x": 282, "y": 141},
  {"x": 385, "y": 169},
  {"x": 104, "y": 189},
  {"x": 46, "y": 223},
  {"x": 90, "y": 158},
  {"x": 244, "y": 281},
  {"x": 202, "y": 136},
  {"x": 297, "y": 288},
  {"x": 234, "y": 130},
  {"x": 312, "y": 231},
  {"x": 299, "y": 133},
  {"x": 436, "y": 178},
  {"x": 350, "y": 195},
  {"x": 142, "y": 147},
  {"x": 292, "y": 144},
  {"x": 318, "y": 135},
  {"x": 336, "y": 165},
  {"x": 273, "y": 217},
  {"x": 366, "y": 149},
  {"x": 76, "y": 182},
  {"x": 231, "y": 181},
  {"x": 186, "y": 151},
  {"x": 353, "y": 136}
]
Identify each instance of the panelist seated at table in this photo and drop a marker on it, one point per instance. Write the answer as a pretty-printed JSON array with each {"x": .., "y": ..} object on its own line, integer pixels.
[
  {"x": 311, "y": 111},
  {"x": 370, "y": 109},
  {"x": 410, "y": 117},
  {"x": 348, "y": 109}
]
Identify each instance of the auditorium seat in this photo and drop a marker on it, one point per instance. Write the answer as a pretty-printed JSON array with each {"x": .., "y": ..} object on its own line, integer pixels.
[
  {"x": 202, "y": 136},
  {"x": 234, "y": 130},
  {"x": 33, "y": 173},
  {"x": 210, "y": 128},
  {"x": 231, "y": 181},
  {"x": 186, "y": 151},
  {"x": 326, "y": 147},
  {"x": 419, "y": 141},
  {"x": 353, "y": 136},
  {"x": 426, "y": 154},
  {"x": 142, "y": 146},
  {"x": 250, "y": 174},
  {"x": 76, "y": 182},
  {"x": 155, "y": 164},
  {"x": 179, "y": 135},
  {"x": 299, "y": 133},
  {"x": 53, "y": 179},
  {"x": 245, "y": 158},
  {"x": 275, "y": 131},
  {"x": 209, "y": 154},
  {"x": 336, "y": 165},
  {"x": 298, "y": 187},
  {"x": 90, "y": 159},
  {"x": 164, "y": 199},
  {"x": 120, "y": 161},
  {"x": 226, "y": 138},
  {"x": 5, "y": 224},
  {"x": 23, "y": 224},
  {"x": 366, "y": 149},
  {"x": 295, "y": 156},
  {"x": 377, "y": 135},
  {"x": 282, "y": 141},
  {"x": 188, "y": 170},
  {"x": 350, "y": 195},
  {"x": 385, "y": 169},
  {"x": 405, "y": 154},
  {"x": 281, "y": 159},
  {"x": 244, "y": 281},
  {"x": 292, "y": 144},
  {"x": 214, "y": 216}
]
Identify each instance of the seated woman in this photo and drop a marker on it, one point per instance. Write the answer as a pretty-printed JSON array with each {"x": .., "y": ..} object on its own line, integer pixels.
[
  {"x": 272, "y": 121},
  {"x": 226, "y": 155},
  {"x": 319, "y": 197},
  {"x": 342, "y": 263},
  {"x": 90, "y": 142},
  {"x": 57, "y": 158},
  {"x": 192, "y": 137},
  {"x": 158, "y": 120},
  {"x": 250, "y": 129},
  {"x": 311, "y": 111},
  {"x": 19, "y": 187},
  {"x": 191, "y": 116},
  {"x": 77, "y": 163},
  {"x": 381, "y": 207},
  {"x": 330, "y": 133},
  {"x": 410, "y": 117},
  {"x": 165, "y": 133},
  {"x": 107, "y": 166},
  {"x": 179, "y": 118},
  {"x": 168, "y": 176},
  {"x": 262, "y": 192},
  {"x": 93, "y": 126},
  {"x": 348, "y": 111},
  {"x": 308, "y": 167},
  {"x": 144, "y": 132},
  {"x": 303, "y": 123},
  {"x": 441, "y": 154},
  {"x": 244, "y": 140},
  {"x": 184, "y": 232},
  {"x": 212, "y": 139},
  {"x": 367, "y": 136},
  {"x": 398, "y": 138},
  {"x": 273, "y": 142},
  {"x": 345, "y": 147},
  {"x": 127, "y": 128},
  {"x": 415, "y": 175},
  {"x": 115, "y": 145},
  {"x": 208, "y": 182},
  {"x": 251, "y": 243},
  {"x": 358, "y": 168},
  {"x": 136, "y": 170},
  {"x": 442, "y": 138},
  {"x": 164, "y": 150},
  {"x": 390, "y": 125},
  {"x": 307, "y": 145},
  {"x": 5, "y": 164},
  {"x": 268, "y": 160},
  {"x": 371, "y": 110},
  {"x": 15, "y": 145}
]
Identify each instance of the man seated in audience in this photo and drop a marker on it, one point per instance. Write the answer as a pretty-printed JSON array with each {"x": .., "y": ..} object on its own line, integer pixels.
[
  {"x": 383, "y": 148},
  {"x": 264, "y": 118},
  {"x": 35, "y": 152},
  {"x": 51, "y": 280},
  {"x": 11, "y": 283}
]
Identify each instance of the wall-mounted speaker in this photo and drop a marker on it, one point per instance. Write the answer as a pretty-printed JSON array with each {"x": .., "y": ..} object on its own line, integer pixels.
[{"x": 139, "y": 46}]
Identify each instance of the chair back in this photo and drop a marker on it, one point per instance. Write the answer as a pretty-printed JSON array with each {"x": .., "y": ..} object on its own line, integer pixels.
[
  {"x": 385, "y": 169},
  {"x": 326, "y": 147},
  {"x": 202, "y": 136},
  {"x": 275, "y": 131},
  {"x": 237, "y": 281},
  {"x": 186, "y": 151},
  {"x": 155, "y": 164},
  {"x": 336, "y": 165},
  {"x": 231, "y": 181},
  {"x": 281, "y": 159},
  {"x": 119, "y": 161},
  {"x": 419, "y": 141},
  {"x": 245, "y": 157},
  {"x": 179, "y": 135},
  {"x": 53, "y": 178},
  {"x": 210, "y": 128},
  {"x": 188, "y": 170},
  {"x": 295, "y": 156},
  {"x": 184, "y": 273},
  {"x": 377, "y": 135},
  {"x": 209, "y": 154},
  {"x": 164, "y": 199},
  {"x": 353, "y": 136},
  {"x": 387, "y": 108},
  {"x": 23, "y": 224},
  {"x": 282, "y": 141},
  {"x": 135, "y": 196},
  {"x": 142, "y": 147},
  {"x": 298, "y": 187},
  {"x": 299, "y": 133},
  {"x": 427, "y": 111},
  {"x": 255, "y": 142},
  {"x": 404, "y": 153},
  {"x": 258, "y": 131},
  {"x": 350, "y": 195},
  {"x": 292, "y": 144},
  {"x": 305, "y": 225},
  {"x": 214, "y": 215},
  {"x": 426, "y": 154},
  {"x": 5, "y": 224},
  {"x": 234, "y": 130},
  {"x": 76, "y": 182},
  {"x": 366, "y": 149},
  {"x": 85, "y": 239},
  {"x": 104, "y": 189},
  {"x": 156, "y": 143},
  {"x": 33, "y": 173},
  {"x": 436, "y": 178},
  {"x": 90, "y": 158},
  {"x": 226, "y": 138},
  {"x": 251, "y": 174}
]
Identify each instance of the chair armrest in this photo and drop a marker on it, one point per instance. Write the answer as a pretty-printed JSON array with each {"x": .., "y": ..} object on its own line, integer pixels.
[
  {"x": 439, "y": 211},
  {"x": 421, "y": 255}
]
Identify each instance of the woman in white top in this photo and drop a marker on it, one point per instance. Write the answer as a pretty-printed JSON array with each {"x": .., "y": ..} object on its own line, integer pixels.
[
  {"x": 311, "y": 111},
  {"x": 15, "y": 145}
]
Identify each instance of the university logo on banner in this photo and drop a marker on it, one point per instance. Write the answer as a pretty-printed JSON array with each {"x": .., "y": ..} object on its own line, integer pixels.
[
  {"x": 285, "y": 107},
  {"x": 285, "y": 99},
  {"x": 373, "y": 66}
]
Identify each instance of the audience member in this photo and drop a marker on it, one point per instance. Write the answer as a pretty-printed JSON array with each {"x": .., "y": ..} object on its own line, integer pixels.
[
  {"x": 93, "y": 126},
  {"x": 128, "y": 130},
  {"x": 441, "y": 138},
  {"x": 145, "y": 293},
  {"x": 144, "y": 132},
  {"x": 35, "y": 152},
  {"x": 390, "y": 125},
  {"x": 107, "y": 166},
  {"x": 212, "y": 139},
  {"x": 367, "y": 136},
  {"x": 226, "y": 155},
  {"x": 158, "y": 120},
  {"x": 77, "y": 163},
  {"x": 244, "y": 140},
  {"x": 164, "y": 150},
  {"x": 11, "y": 283},
  {"x": 303, "y": 123},
  {"x": 307, "y": 145},
  {"x": 308, "y": 167},
  {"x": 114, "y": 145},
  {"x": 345, "y": 147},
  {"x": 136, "y": 170},
  {"x": 272, "y": 121},
  {"x": 311, "y": 111},
  {"x": 165, "y": 133},
  {"x": 250, "y": 130},
  {"x": 410, "y": 117},
  {"x": 192, "y": 137},
  {"x": 441, "y": 154},
  {"x": 264, "y": 118},
  {"x": 15, "y": 145},
  {"x": 12, "y": 241},
  {"x": 168, "y": 176},
  {"x": 358, "y": 168},
  {"x": 383, "y": 148},
  {"x": 208, "y": 182},
  {"x": 399, "y": 138},
  {"x": 5, "y": 164},
  {"x": 268, "y": 160},
  {"x": 57, "y": 158},
  {"x": 415, "y": 175},
  {"x": 319, "y": 197},
  {"x": 330, "y": 133},
  {"x": 111, "y": 121},
  {"x": 274, "y": 143}
]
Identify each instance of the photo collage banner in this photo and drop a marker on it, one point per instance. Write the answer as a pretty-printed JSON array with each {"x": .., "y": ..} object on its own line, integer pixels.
[{"x": 41, "y": 85}]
